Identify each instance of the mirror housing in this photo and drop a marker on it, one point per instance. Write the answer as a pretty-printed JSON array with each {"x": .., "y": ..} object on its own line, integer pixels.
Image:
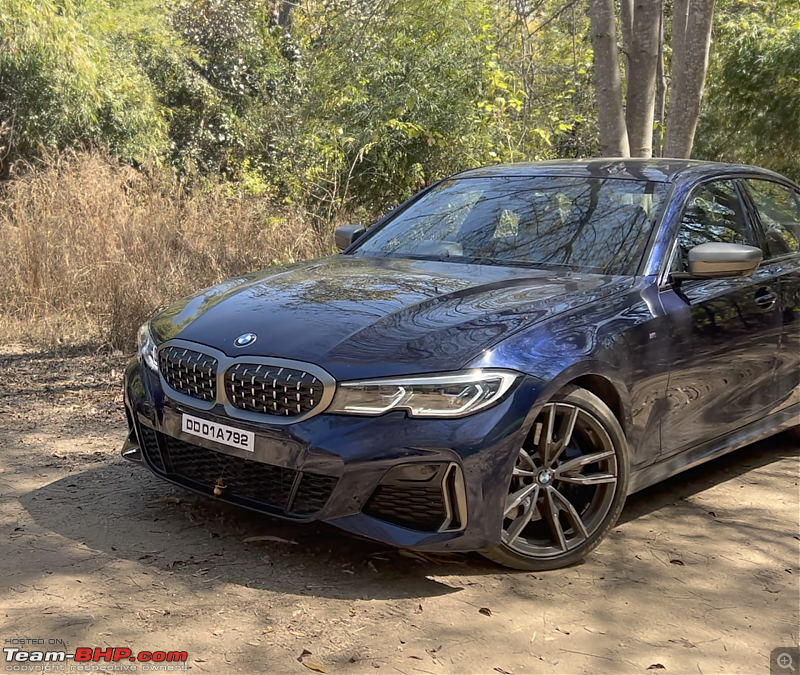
[
  {"x": 719, "y": 261},
  {"x": 344, "y": 235}
]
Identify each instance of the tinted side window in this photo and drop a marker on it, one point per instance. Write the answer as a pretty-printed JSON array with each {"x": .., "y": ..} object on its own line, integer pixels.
[
  {"x": 714, "y": 214},
  {"x": 780, "y": 216}
]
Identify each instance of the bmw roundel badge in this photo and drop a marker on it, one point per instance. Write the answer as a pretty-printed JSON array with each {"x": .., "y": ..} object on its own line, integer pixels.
[{"x": 246, "y": 339}]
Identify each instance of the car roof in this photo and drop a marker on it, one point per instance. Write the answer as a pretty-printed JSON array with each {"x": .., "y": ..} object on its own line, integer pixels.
[{"x": 661, "y": 170}]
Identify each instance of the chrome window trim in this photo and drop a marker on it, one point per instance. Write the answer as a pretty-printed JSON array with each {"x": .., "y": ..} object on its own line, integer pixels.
[
  {"x": 651, "y": 260},
  {"x": 225, "y": 362}
]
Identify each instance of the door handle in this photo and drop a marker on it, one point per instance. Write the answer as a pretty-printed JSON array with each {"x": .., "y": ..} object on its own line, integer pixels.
[{"x": 766, "y": 298}]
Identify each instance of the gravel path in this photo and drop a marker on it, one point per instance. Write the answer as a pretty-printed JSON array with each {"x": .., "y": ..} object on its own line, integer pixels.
[{"x": 700, "y": 575}]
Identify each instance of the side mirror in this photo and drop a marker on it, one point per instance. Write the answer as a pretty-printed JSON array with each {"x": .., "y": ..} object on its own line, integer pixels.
[
  {"x": 718, "y": 261},
  {"x": 347, "y": 234}
]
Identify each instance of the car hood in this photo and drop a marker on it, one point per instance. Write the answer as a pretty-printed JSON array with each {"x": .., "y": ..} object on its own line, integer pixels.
[{"x": 369, "y": 317}]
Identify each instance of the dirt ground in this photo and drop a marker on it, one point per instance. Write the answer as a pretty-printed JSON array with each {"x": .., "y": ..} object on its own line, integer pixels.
[{"x": 700, "y": 575}]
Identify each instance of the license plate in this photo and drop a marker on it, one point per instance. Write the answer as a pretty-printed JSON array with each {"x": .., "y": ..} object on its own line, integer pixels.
[{"x": 221, "y": 433}]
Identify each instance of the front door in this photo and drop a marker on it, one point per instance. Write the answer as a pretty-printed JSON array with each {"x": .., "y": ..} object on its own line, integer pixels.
[{"x": 725, "y": 332}]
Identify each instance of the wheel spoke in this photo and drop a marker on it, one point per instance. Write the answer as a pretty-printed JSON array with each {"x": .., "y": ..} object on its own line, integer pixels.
[
  {"x": 526, "y": 459},
  {"x": 515, "y": 499},
  {"x": 589, "y": 478},
  {"x": 565, "y": 430},
  {"x": 519, "y": 523},
  {"x": 546, "y": 436},
  {"x": 551, "y": 515},
  {"x": 579, "y": 462},
  {"x": 572, "y": 514}
]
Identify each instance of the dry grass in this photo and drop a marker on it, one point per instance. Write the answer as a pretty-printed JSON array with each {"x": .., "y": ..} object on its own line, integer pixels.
[{"x": 90, "y": 248}]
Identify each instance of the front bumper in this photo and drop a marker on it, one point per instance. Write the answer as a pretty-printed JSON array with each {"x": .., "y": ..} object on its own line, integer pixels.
[{"x": 343, "y": 469}]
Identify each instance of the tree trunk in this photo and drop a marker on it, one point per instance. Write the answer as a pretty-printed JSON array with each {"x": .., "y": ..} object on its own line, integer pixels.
[
  {"x": 689, "y": 66},
  {"x": 281, "y": 12},
  {"x": 642, "y": 80},
  {"x": 608, "y": 89},
  {"x": 661, "y": 91},
  {"x": 626, "y": 23},
  {"x": 680, "y": 21}
]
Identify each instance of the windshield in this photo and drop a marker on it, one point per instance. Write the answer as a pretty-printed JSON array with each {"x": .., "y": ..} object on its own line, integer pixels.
[{"x": 586, "y": 224}]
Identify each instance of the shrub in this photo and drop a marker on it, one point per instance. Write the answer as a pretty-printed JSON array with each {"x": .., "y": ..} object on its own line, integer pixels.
[{"x": 89, "y": 247}]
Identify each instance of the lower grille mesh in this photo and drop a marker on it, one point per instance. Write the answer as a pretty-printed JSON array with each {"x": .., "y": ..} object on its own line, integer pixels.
[
  {"x": 415, "y": 507},
  {"x": 264, "y": 483},
  {"x": 262, "y": 486},
  {"x": 312, "y": 493},
  {"x": 147, "y": 438}
]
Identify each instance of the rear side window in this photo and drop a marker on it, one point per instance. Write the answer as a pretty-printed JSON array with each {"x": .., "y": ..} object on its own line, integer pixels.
[{"x": 779, "y": 210}]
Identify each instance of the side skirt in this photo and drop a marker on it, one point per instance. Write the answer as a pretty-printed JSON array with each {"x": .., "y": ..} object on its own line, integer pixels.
[{"x": 755, "y": 431}]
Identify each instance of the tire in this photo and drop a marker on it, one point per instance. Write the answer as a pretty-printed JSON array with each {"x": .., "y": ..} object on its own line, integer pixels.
[{"x": 560, "y": 504}]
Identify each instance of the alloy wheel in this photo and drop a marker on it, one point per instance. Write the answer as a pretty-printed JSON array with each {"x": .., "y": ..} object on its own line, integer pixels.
[{"x": 564, "y": 483}]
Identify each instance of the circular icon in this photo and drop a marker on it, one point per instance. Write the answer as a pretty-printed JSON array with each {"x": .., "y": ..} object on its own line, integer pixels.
[
  {"x": 785, "y": 661},
  {"x": 246, "y": 339}
]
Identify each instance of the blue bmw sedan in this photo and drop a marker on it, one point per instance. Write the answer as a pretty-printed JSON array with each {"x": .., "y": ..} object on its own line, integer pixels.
[{"x": 494, "y": 365}]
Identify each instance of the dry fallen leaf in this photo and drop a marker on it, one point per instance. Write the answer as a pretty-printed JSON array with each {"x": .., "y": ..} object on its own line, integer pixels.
[
  {"x": 269, "y": 537},
  {"x": 675, "y": 559},
  {"x": 656, "y": 666},
  {"x": 313, "y": 666},
  {"x": 486, "y": 611},
  {"x": 418, "y": 610},
  {"x": 167, "y": 500},
  {"x": 503, "y": 671},
  {"x": 593, "y": 630},
  {"x": 410, "y": 554},
  {"x": 305, "y": 652},
  {"x": 414, "y": 656},
  {"x": 562, "y": 630}
]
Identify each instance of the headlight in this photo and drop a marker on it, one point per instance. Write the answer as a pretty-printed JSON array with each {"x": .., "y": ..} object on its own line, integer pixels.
[
  {"x": 147, "y": 347},
  {"x": 447, "y": 395}
]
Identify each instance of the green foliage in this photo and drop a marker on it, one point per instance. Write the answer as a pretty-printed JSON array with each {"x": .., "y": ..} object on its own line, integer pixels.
[
  {"x": 352, "y": 105},
  {"x": 222, "y": 118},
  {"x": 752, "y": 108},
  {"x": 413, "y": 93},
  {"x": 69, "y": 74}
]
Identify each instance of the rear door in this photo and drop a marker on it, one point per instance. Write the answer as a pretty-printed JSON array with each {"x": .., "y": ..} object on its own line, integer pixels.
[
  {"x": 725, "y": 332},
  {"x": 778, "y": 210}
]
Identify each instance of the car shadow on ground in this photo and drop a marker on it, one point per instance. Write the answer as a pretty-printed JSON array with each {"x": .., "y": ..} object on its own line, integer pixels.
[
  {"x": 125, "y": 512},
  {"x": 720, "y": 470}
]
